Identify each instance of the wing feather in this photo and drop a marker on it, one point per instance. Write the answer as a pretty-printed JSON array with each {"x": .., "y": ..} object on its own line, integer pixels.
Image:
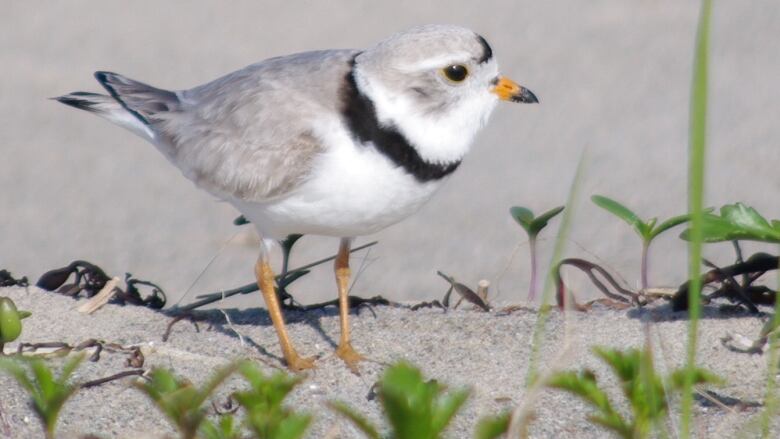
[{"x": 252, "y": 134}]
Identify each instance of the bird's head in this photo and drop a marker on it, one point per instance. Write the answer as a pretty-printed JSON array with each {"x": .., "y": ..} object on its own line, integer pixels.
[{"x": 438, "y": 85}]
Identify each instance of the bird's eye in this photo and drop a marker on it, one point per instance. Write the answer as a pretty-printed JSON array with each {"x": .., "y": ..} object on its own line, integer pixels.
[{"x": 455, "y": 72}]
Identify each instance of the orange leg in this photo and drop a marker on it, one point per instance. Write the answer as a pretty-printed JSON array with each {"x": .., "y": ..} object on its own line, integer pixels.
[
  {"x": 345, "y": 350},
  {"x": 265, "y": 279}
]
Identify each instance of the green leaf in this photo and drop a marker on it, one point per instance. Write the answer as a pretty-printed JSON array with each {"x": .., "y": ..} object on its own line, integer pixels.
[
  {"x": 179, "y": 400},
  {"x": 623, "y": 213},
  {"x": 533, "y": 226},
  {"x": 47, "y": 393},
  {"x": 446, "y": 408},
  {"x": 668, "y": 224},
  {"x": 523, "y": 216},
  {"x": 493, "y": 427},
  {"x": 415, "y": 408},
  {"x": 293, "y": 426},
  {"x": 266, "y": 415},
  {"x": 584, "y": 385},
  {"x": 737, "y": 222},
  {"x": 360, "y": 422},
  {"x": 541, "y": 222},
  {"x": 700, "y": 376},
  {"x": 225, "y": 429}
]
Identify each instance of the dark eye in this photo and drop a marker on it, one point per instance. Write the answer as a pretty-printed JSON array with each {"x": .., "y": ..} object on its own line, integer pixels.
[{"x": 456, "y": 72}]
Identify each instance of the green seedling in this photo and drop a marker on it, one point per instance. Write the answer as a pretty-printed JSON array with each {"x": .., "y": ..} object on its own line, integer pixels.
[
  {"x": 737, "y": 222},
  {"x": 493, "y": 427},
  {"x": 266, "y": 416},
  {"x": 740, "y": 222},
  {"x": 647, "y": 230},
  {"x": 180, "y": 401},
  {"x": 10, "y": 321},
  {"x": 641, "y": 386},
  {"x": 532, "y": 226},
  {"x": 415, "y": 408},
  {"x": 226, "y": 428},
  {"x": 48, "y": 393}
]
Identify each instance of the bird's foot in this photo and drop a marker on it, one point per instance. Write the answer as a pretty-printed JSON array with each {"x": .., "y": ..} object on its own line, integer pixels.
[
  {"x": 296, "y": 363},
  {"x": 350, "y": 356}
]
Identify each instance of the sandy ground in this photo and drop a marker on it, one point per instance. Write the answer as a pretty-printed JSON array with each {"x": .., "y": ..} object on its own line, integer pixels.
[
  {"x": 486, "y": 352},
  {"x": 612, "y": 76}
]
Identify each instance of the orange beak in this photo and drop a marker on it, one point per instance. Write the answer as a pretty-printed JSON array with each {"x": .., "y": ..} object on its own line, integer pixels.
[{"x": 508, "y": 90}]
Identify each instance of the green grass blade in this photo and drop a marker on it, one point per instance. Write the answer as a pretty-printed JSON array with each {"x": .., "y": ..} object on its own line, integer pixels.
[
  {"x": 549, "y": 283},
  {"x": 698, "y": 141},
  {"x": 771, "y": 398}
]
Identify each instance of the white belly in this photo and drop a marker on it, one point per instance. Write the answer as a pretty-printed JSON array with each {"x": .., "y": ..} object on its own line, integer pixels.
[{"x": 354, "y": 191}]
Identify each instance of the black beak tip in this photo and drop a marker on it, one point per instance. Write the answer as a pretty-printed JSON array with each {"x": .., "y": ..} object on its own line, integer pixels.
[{"x": 525, "y": 96}]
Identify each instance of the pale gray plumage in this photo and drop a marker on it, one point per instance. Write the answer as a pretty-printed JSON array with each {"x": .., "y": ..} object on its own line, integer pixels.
[
  {"x": 248, "y": 135},
  {"x": 275, "y": 137},
  {"x": 339, "y": 143}
]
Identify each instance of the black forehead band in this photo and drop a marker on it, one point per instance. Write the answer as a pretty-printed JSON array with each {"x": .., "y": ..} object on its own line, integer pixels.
[{"x": 487, "y": 52}]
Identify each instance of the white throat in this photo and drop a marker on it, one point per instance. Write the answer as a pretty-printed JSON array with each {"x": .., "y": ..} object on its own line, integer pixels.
[{"x": 441, "y": 138}]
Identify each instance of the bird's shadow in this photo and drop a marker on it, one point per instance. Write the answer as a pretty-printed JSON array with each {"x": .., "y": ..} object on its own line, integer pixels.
[{"x": 260, "y": 317}]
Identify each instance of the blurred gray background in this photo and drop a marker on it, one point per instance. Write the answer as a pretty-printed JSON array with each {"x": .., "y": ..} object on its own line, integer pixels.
[{"x": 612, "y": 77}]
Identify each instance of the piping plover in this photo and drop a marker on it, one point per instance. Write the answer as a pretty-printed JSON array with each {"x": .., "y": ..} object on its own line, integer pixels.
[{"x": 334, "y": 142}]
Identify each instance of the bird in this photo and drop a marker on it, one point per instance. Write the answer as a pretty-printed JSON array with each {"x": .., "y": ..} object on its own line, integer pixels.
[{"x": 340, "y": 143}]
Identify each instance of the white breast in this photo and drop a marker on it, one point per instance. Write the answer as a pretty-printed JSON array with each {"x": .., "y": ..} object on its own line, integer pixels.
[{"x": 354, "y": 190}]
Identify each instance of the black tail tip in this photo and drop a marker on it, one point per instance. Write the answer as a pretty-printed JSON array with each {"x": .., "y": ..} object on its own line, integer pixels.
[
  {"x": 79, "y": 99},
  {"x": 102, "y": 76}
]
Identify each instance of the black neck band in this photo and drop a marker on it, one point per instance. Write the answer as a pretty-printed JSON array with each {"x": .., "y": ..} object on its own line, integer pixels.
[{"x": 360, "y": 117}]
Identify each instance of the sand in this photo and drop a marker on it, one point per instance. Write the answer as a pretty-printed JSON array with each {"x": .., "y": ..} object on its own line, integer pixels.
[{"x": 486, "y": 352}]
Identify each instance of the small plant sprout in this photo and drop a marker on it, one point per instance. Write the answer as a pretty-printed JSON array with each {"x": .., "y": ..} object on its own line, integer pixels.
[
  {"x": 10, "y": 321},
  {"x": 266, "y": 417},
  {"x": 642, "y": 387},
  {"x": 179, "y": 400},
  {"x": 647, "y": 230},
  {"x": 493, "y": 427},
  {"x": 47, "y": 392},
  {"x": 737, "y": 222},
  {"x": 415, "y": 408},
  {"x": 532, "y": 226},
  {"x": 226, "y": 428}
]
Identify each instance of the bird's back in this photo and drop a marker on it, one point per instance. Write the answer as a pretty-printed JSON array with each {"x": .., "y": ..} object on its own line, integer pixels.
[{"x": 249, "y": 135}]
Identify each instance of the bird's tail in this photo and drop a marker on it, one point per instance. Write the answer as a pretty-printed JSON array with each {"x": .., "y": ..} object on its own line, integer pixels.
[{"x": 130, "y": 104}]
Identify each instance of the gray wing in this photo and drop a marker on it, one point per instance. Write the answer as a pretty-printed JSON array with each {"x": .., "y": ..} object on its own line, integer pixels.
[{"x": 249, "y": 134}]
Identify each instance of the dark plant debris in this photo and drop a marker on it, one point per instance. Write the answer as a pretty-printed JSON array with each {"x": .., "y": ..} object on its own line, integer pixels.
[
  {"x": 135, "y": 357},
  {"x": 283, "y": 280},
  {"x": 618, "y": 297},
  {"x": 465, "y": 292},
  {"x": 708, "y": 398},
  {"x": 89, "y": 279},
  {"x": 100, "y": 381},
  {"x": 7, "y": 280},
  {"x": 740, "y": 292}
]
